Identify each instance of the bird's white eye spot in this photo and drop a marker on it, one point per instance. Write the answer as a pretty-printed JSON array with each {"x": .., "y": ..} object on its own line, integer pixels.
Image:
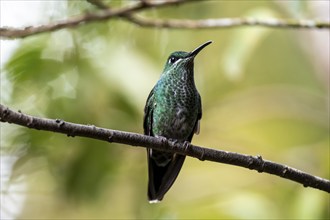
[{"x": 172, "y": 60}]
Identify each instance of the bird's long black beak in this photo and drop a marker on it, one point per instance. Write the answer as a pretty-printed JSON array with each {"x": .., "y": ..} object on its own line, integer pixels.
[{"x": 198, "y": 49}]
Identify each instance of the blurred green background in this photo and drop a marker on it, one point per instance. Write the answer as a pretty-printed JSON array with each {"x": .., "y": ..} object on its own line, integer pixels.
[{"x": 264, "y": 92}]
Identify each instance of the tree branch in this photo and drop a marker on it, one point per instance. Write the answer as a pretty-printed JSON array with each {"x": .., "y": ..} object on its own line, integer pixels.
[
  {"x": 127, "y": 13},
  {"x": 128, "y": 138},
  {"x": 12, "y": 33},
  {"x": 227, "y": 23}
]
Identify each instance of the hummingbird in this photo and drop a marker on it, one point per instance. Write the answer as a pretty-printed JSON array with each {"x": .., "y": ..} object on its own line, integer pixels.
[{"x": 173, "y": 111}]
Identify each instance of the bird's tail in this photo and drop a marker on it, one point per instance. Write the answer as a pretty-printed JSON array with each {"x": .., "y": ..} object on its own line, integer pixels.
[{"x": 162, "y": 176}]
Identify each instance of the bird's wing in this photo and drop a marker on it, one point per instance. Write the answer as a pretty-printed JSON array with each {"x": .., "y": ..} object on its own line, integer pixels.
[
  {"x": 148, "y": 110},
  {"x": 161, "y": 177},
  {"x": 199, "y": 116}
]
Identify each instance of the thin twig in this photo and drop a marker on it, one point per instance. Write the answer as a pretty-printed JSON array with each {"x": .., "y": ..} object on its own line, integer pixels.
[
  {"x": 12, "y": 33},
  {"x": 227, "y": 23},
  {"x": 128, "y": 13},
  {"x": 128, "y": 138},
  {"x": 217, "y": 23}
]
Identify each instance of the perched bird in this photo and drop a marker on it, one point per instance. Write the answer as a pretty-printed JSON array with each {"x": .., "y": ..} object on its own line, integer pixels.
[{"x": 173, "y": 111}]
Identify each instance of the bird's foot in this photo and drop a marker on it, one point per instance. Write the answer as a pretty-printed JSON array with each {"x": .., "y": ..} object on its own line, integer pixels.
[
  {"x": 167, "y": 141},
  {"x": 162, "y": 138},
  {"x": 186, "y": 145},
  {"x": 173, "y": 141}
]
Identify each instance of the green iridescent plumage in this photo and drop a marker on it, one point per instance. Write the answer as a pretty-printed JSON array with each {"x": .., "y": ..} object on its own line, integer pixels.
[{"x": 173, "y": 111}]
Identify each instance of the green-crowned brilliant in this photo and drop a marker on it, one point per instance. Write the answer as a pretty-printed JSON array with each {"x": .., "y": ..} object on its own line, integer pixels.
[{"x": 173, "y": 111}]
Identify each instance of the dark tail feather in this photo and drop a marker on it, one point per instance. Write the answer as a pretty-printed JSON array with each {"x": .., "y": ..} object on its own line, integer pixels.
[{"x": 161, "y": 178}]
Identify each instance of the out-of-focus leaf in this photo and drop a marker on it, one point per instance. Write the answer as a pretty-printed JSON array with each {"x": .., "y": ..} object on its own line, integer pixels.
[
  {"x": 87, "y": 173},
  {"x": 28, "y": 65},
  {"x": 65, "y": 85}
]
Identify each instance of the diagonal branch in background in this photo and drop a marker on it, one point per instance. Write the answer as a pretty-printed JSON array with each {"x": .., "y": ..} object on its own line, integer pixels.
[
  {"x": 128, "y": 13},
  {"x": 216, "y": 23},
  {"x": 12, "y": 33},
  {"x": 227, "y": 23},
  {"x": 128, "y": 138}
]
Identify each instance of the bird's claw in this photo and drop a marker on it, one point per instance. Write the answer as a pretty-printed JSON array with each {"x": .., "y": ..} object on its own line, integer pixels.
[
  {"x": 173, "y": 141},
  {"x": 162, "y": 139},
  {"x": 186, "y": 145}
]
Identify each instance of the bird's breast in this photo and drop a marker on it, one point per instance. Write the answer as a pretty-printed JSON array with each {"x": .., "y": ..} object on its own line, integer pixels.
[{"x": 175, "y": 113}]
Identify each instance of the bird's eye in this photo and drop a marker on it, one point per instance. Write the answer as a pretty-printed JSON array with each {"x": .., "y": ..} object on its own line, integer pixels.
[{"x": 172, "y": 60}]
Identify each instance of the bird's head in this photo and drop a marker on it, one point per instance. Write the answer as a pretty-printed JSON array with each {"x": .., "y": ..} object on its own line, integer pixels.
[{"x": 181, "y": 60}]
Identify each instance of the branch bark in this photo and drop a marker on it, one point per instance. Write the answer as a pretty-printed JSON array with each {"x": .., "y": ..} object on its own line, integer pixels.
[
  {"x": 101, "y": 15},
  {"x": 227, "y": 23},
  {"x": 128, "y": 13},
  {"x": 251, "y": 162}
]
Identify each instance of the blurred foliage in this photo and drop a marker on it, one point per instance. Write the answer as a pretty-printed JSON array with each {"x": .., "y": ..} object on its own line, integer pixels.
[{"x": 262, "y": 94}]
